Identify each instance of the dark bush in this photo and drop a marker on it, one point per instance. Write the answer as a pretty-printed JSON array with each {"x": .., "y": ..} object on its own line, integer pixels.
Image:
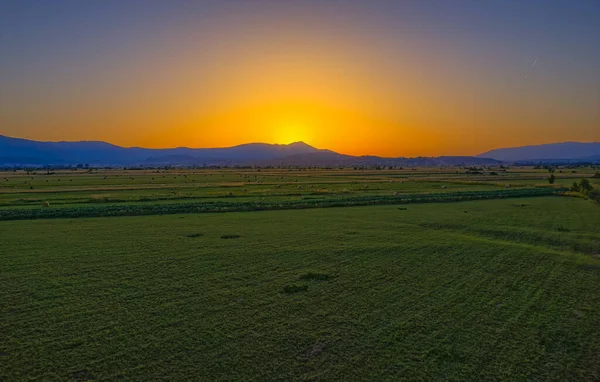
[
  {"x": 230, "y": 236},
  {"x": 315, "y": 276},
  {"x": 289, "y": 289},
  {"x": 585, "y": 185},
  {"x": 575, "y": 187}
]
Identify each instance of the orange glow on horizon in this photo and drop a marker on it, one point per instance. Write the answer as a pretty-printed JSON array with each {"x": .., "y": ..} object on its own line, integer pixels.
[{"x": 291, "y": 74}]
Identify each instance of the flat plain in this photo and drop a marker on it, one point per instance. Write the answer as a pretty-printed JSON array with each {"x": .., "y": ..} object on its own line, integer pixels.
[{"x": 460, "y": 290}]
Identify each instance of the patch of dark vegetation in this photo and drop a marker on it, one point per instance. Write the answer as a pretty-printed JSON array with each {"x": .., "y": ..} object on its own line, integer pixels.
[
  {"x": 291, "y": 289},
  {"x": 230, "y": 236},
  {"x": 106, "y": 200},
  {"x": 592, "y": 268},
  {"x": 441, "y": 225},
  {"x": 315, "y": 351},
  {"x": 82, "y": 375},
  {"x": 315, "y": 276},
  {"x": 194, "y": 235}
]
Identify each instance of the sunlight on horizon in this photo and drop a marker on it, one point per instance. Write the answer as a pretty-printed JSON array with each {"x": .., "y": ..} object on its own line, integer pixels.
[
  {"x": 291, "y": 129},
  {"x": 350, "y": 78}
]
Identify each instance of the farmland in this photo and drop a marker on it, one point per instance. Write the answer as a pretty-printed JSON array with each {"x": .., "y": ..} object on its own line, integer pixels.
[
  {"x": 413, "y": 276},
  {"x": 77, "y": 188}
]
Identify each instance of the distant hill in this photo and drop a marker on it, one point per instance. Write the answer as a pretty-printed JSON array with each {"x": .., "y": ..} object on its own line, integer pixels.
[
  {"x": 567, "y": 151},
  {"x": 24, "y": 152},
  {"x": 27, "y": 152}
]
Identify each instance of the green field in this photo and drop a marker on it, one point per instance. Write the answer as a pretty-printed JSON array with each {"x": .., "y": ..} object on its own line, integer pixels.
[
  {"x": 465, "y": 290},
  {"x": 69, "y": 188}
]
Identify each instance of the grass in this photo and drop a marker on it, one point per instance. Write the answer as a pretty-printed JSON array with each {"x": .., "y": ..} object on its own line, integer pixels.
[
  {"x": 140, "y": 209},
  {"x": 431, "y": 293}
]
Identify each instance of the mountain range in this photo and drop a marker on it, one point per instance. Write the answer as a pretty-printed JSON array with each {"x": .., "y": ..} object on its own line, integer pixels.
[
  {"x": 552, "y": 152},
  {"x": 24, "y": 152}
]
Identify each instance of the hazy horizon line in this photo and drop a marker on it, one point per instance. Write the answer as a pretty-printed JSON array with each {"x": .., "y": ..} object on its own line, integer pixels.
[{"x": 280, "y": 144}]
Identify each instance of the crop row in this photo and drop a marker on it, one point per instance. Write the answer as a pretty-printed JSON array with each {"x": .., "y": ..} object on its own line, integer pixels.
[{"x": 232, "y": 206}]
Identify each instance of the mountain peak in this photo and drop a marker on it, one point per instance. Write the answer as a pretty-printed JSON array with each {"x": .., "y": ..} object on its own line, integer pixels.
[{"x": 299, "y": 144}]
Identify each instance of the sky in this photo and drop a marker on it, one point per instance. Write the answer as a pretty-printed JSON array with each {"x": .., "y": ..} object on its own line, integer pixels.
[{"x": 377, "y": 77}]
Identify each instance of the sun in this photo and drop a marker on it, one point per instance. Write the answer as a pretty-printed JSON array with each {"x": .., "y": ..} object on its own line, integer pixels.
[{"x": 290, "y": 132}]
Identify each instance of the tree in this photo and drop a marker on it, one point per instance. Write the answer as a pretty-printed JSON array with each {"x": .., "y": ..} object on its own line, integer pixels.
[
  {"x": 585, "y": 185},
  {"x": 551, "y": 179}
]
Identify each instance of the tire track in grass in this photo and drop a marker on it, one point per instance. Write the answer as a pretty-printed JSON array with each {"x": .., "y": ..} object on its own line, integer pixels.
[
  {"x": 534, "y": 296},
  {"x": 460, "y": 233}
]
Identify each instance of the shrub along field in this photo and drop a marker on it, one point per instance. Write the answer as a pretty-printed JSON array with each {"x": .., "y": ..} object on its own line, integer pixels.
[{"x": 470, "y": 290}]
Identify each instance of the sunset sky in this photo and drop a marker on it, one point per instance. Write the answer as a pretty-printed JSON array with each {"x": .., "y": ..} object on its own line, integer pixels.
[{"x": 393, "y": 78}]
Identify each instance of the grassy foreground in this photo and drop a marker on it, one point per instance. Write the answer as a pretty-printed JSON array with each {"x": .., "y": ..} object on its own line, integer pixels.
[{"x": 469, "y": 290}]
